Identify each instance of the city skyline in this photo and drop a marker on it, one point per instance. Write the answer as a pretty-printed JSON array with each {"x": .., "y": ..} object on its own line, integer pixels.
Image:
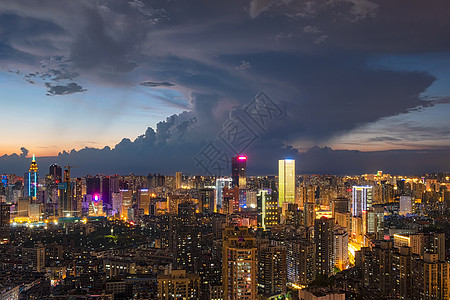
[{"x": 143, "y": 86}]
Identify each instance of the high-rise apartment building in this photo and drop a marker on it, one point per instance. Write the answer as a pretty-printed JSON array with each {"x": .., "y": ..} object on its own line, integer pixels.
[
  {"x": 272, "y": 270},
  {"x": 323, "y": 237},
  {"x": 239, "y": 264},
  {"x": 340, "y": 248}
]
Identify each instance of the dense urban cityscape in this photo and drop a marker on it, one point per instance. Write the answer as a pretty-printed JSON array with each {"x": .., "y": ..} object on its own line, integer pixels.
[{"x": 289, "y": 236}]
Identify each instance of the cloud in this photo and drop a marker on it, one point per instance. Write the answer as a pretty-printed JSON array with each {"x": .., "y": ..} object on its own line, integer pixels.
[
  {"x": 157, "y": 84},
  {"x": 258, "y": 6},
  {"x": 24, "y": 152},
  {"x": 243, "y": 66},
  {"x": 71, "y": 88},
  {"x": 309, "y": 55}
]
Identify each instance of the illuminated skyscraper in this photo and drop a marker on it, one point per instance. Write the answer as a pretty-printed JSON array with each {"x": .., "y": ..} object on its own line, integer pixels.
[
  {"x": 31, "y": 180},
  {"x": 239, "y": 176},
  {"x": 220, "y": 184},
  {"x": 55, "y": 172},
  {"x": 286, "y": 181},
  {"x": 178, "y": 180},
  {"x": 361, "y": 199}
]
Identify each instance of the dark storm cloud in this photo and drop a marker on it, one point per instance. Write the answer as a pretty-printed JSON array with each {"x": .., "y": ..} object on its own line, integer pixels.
[
  {"x": 311, "y": 56},
  {"x": 70, "y": 88},
  {"x": 157, "y": 84}
]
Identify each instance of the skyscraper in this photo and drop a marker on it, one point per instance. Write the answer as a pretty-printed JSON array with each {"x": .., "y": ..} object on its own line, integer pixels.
[
  {"x": 31, "y": 180},
  {"x": 238, "y": 264},
  {"x": 55, "y": 172},
  {"x": 361, "y": 199},
  {"x": 239, "y": 176},
  {"x": 220, "y": 184},
  {"x": 286, "y": 181},
  {"x": 178, "y": 180},
  {"x": 323, "y": 237}
]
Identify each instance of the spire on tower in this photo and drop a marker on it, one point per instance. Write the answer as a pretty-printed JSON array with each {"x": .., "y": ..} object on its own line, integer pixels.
[{"x": 33, "y": 166}]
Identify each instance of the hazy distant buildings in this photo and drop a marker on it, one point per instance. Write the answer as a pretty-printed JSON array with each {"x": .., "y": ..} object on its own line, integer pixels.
[{"x": 405, "y": 205}]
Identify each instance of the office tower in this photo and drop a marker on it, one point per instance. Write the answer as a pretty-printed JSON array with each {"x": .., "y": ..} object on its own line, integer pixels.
[
  {"x": 405, "y": 205},
  {"x": 272, "y": 270},
  {"x": 4, "y": 223},
  {"x": 361, "y": 199},
  {"x": 268, "y": 210},
  {"x": 301, "y": 262},
  {"x": 239, "y": 176},
  {"x": 262, "y": 197},
  {"x": 340, "y": 205},
  {"x": 239, "y": 171},
  {"x": 206, "y": 200},
  {"x": 251, "y": 199},
  {"x": 144, "y": 200},
  {"x": 93, "y": 186},
  {"x": 105, "y": 191},
  {"x": 230, "y": 200},
  {"x": 178, "y": 180},
  {"x": 79, "y": 197},
  {"x": 31, "y": 180},
  {"x": 176, "y": 284},
  {"x": 55, "y": 172},
  {"x": 323, "y": 237},
  {"x": 238, "y": 264},
  {"x": 116, "y": 203},
  {"x": 66, "y": 195},
  {"x": 340, "y": 248},
  {"x": 286, "y": 181},
  {"x": 221, "y": 183},
  {"x": 127, "y": 201}
]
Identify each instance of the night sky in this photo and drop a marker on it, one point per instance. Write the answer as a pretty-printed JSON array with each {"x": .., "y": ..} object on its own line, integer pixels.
[{"x": 119, "y": 86}]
